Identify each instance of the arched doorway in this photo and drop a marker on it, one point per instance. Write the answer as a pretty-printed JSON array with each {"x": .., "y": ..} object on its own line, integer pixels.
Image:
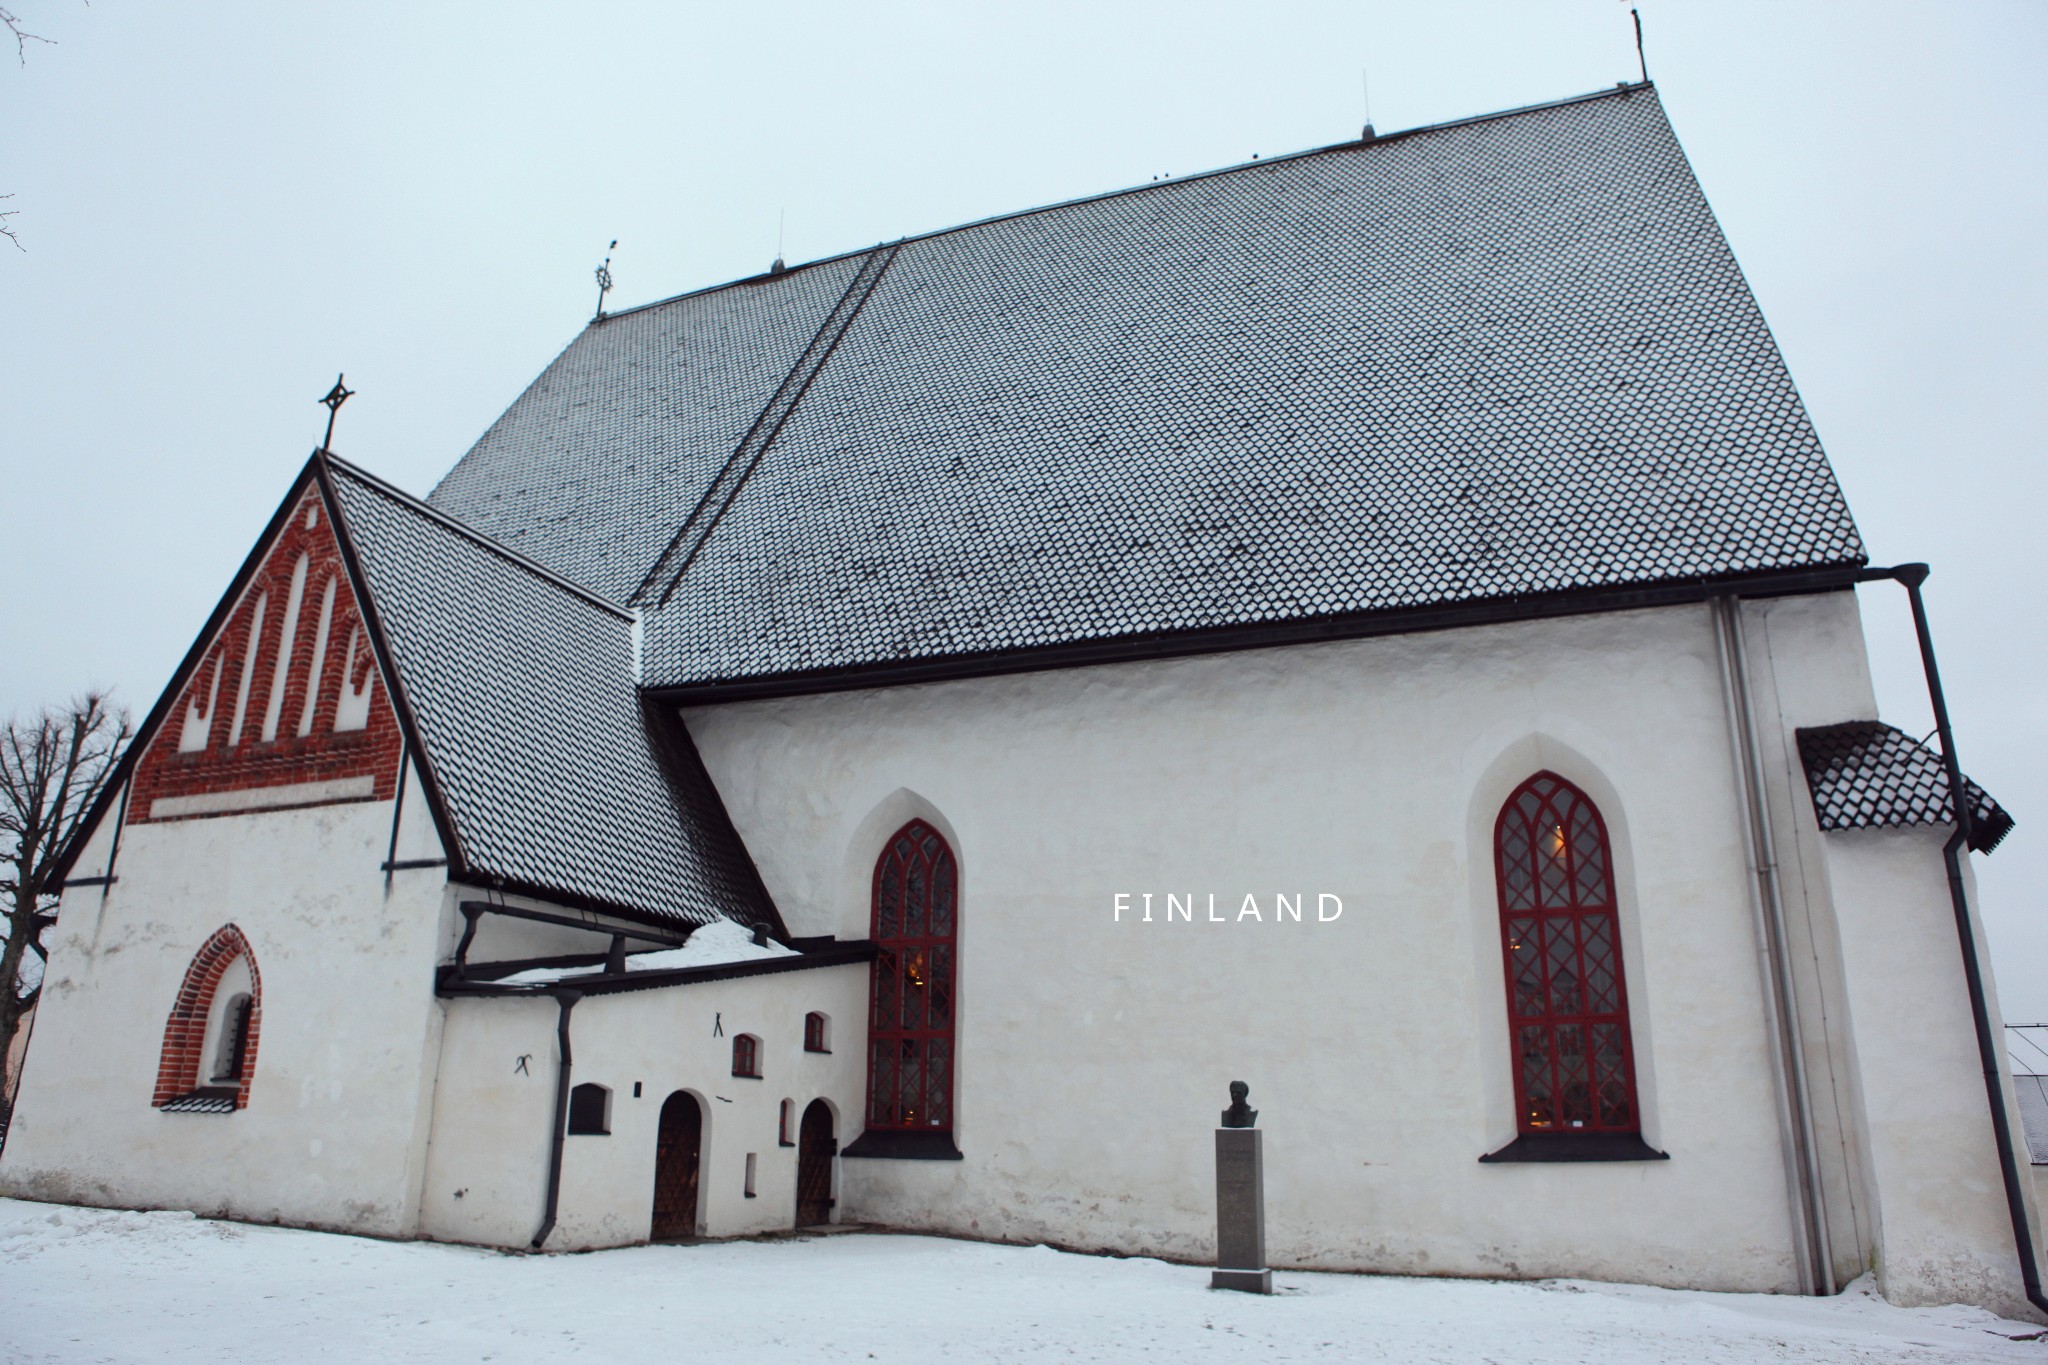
[
  {"x": 676, "y": 1151},
  {"x": 814, "y": 1152}
]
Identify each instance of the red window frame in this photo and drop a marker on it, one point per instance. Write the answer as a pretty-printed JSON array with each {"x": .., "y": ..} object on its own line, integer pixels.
[
  {"x": 911, "y": 986},
  {"x": 1567, "y": 994},
  {"x": 746, "y": 1056},
  {"x": 814, "y": 1033}
]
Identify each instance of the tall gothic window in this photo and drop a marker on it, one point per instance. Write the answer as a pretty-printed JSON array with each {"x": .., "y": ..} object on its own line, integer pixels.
[
  {"x": 1567, "y": 1008},
  {"x": 910, "y": 1013}
]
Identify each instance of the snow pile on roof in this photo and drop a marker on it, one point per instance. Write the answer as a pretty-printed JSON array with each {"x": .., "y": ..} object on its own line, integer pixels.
[
  {"x": 93, "y": 1284},
  {"x": 715, "y": 945}
]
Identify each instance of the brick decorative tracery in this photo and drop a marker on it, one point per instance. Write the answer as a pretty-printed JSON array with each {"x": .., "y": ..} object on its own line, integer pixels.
[
  {"x": 180, "y": 1063},
  {"x": 287, "y": 706}
]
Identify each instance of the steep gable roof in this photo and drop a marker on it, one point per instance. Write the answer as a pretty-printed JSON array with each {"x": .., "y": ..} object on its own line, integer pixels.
[
  {"x": 521, "y": 688},
  {"x": 1494, "y": 360}
]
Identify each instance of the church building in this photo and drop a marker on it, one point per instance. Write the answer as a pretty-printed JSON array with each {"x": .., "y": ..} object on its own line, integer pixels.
[{"x": 889, "y": 740}]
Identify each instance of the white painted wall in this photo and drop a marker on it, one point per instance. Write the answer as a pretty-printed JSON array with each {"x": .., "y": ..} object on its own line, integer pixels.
[
  {"x": 1094, "y": 1055},
  {"x": 487, "y": 1165},
  {"x": 335, "y": 1131},
  {"x": 1943, "y": 1234}
]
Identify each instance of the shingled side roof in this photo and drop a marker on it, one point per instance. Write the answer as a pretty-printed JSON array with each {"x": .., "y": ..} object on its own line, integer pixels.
[
  {"x": 554, "y": 776},
  {"x": 1864, "y": 774},
  {"x": 1494, "y": 360}
]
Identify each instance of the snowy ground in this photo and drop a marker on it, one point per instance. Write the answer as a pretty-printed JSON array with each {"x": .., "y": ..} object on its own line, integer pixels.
[{"x": 94, "y": 1285}]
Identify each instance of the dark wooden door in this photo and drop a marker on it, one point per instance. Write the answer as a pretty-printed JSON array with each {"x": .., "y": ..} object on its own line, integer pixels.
[
  {"x": 676, "y": 1151},
  {"x": 814, "y": 1152}
]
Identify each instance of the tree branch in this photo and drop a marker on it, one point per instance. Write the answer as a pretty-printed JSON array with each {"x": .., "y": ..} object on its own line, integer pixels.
[{"x": 22, "y": 37}]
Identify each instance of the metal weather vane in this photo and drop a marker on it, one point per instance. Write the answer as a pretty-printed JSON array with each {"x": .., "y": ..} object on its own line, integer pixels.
[
  {"x": 336, "y": 396},
  {"x": 604, "y": 276}
]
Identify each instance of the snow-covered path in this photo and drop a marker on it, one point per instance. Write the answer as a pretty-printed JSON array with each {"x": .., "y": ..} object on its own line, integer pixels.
[{"x": 95, "y": 1285}]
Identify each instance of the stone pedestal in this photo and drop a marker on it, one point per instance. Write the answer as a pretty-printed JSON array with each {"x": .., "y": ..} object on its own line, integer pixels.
[{"x": 1241, "y": 1212}]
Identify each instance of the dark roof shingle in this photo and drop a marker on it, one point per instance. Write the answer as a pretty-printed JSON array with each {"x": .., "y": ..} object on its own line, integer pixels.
[
  {"x": 523, "y": 691},
  {"x": 1497, "y": 359},
  {"x": 1864, "y": 774}
]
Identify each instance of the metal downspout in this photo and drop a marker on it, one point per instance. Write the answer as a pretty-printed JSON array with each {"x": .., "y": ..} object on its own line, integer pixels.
[
  {"x": 1815, "y": 1249},
  {"x": 1912, "y": 576},
  {"x": 567, "y": 1000}
]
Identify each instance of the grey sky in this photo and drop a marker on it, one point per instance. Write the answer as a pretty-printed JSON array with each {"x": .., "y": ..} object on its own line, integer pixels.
[{"x": 225, "y": 204}]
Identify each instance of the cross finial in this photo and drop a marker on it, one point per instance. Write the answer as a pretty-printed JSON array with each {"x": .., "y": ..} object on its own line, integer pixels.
[
  {"x": 604, "y": 277},
  {"x": 336, "y": 396}
]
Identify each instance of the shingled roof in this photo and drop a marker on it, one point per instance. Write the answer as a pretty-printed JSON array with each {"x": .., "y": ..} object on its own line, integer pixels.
[
  {"x": 1864, "y": 774},
  {"x": 1501, "y": 359},
  {"x": 554, "y": 776}
]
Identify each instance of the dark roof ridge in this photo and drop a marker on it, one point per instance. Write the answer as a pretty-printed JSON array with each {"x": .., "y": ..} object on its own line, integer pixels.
[
  {"x": 1620, "y": 89},
  {"x": 482, "y": 541}
]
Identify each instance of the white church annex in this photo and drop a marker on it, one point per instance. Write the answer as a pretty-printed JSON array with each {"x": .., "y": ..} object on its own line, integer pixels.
[{"x": 783, "y": 773}]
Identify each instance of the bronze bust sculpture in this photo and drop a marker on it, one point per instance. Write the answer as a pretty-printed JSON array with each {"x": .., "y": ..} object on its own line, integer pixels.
[{"x": 1239, "y": 1114}]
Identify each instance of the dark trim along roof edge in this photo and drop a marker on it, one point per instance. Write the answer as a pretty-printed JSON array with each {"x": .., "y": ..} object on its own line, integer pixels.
[
  {"x": 844, "y": 955},
  {"x": 124, "y": 768},
  {"x": 1261, "y": 635}
]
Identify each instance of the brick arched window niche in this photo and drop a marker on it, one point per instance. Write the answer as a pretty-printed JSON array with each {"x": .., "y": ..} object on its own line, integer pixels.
[
  {"x": 915, "y": 912},
  {"x": 209, "y": 1050},
  {"x": 1568, "y": 1031}
]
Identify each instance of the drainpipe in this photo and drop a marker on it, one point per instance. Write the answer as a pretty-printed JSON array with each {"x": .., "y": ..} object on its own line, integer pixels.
[
  {"x": 567, "y": 1000},
  {"x": 1912, "y": 576},
  {"x": 1814, "y": 1249}
]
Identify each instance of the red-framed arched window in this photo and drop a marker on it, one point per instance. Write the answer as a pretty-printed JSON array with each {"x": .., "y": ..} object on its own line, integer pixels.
[
  {"x": 208, "y": 1056},
  {"x": 1567, "y": 1003},
  {"x": 910, "y": 1011}
]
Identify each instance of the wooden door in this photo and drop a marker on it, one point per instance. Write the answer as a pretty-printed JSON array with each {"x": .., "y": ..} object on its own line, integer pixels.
[
  {"x": 815, "y": 1149},
  {"x": 676, "y": 1152}
]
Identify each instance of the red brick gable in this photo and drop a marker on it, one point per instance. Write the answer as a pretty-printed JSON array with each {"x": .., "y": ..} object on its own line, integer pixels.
[{"x": 287, "y": 706}]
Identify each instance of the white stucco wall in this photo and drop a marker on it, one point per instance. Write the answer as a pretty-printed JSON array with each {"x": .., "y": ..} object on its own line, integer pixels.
[
  {"x": 1943, "y": 1233},
  {"x": 335, "y": 1132},
  {"x": 487, "y": 1165},
  {"x": 1094, "y": 1054}
]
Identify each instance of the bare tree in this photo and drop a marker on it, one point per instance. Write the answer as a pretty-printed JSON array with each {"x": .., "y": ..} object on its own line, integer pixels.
[
  {"x": 10, "y": 21},
  {"x": 53, "y": 768}
]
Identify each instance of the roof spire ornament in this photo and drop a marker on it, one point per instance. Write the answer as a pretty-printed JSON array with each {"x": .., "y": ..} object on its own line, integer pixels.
[
  {"x": 336, "y": 396},
  {"x": 604, "y": 279}
]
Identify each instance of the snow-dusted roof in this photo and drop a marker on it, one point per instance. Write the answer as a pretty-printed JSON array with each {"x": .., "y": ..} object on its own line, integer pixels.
[
  {"x": 1865, "y": 774},
  {"x": 1506, "y": 357},
  {"x": 521, "y": 688}
]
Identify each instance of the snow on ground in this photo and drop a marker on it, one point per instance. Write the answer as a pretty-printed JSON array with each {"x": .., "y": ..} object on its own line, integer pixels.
[{"x": 103, "y": 1285}]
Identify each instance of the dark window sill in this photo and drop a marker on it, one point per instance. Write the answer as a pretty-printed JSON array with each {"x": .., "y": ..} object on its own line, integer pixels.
[
  {"x": 1578, "y": 1147},
  {"x": 209, "y": 1099},
  {"x": 590, "y": 1132},
  {"x": 819, "y": 1051},
  {"x": 784, "y": 1142},
  {"x": 904, "y": 1144}
]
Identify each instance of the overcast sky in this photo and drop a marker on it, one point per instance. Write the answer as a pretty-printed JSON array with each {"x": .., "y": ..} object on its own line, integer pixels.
[{"x": 225, "y": 204}]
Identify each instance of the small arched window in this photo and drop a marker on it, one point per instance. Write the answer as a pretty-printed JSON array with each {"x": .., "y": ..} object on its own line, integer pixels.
[
  {"x": 590, "y": 1110},
  {"x": 1567, "y": 1000},
  {"x": 785, "y": 1125},
  {"x": 816, "y": 1037},
  {"x": 208, "y": 1057},
  {"x": 746, "y": 1056},
  {"x": 231, "y": 1050}
]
